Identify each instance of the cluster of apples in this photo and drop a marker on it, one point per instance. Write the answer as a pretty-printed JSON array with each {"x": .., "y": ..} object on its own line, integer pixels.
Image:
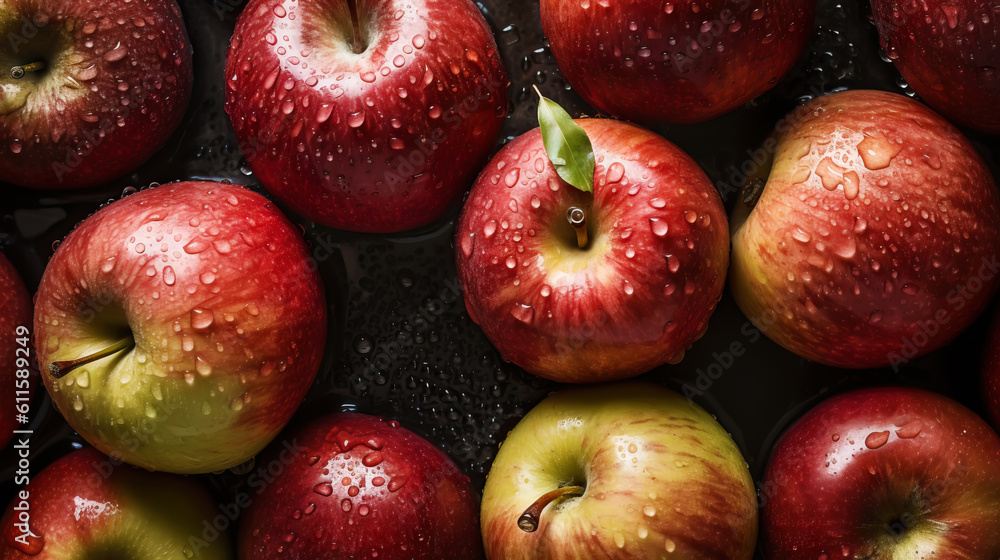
[{"x": 179, "y": 328}]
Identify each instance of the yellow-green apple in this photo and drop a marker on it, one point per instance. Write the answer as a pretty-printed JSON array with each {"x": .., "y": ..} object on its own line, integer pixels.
[
  {"x": 179, "y": 328},
  {"x": 17, "y": 376},
  {"x": 83, "y": 506},
  {"x": 366, "y": 115},
  {"x": 88, "y": 90},
  {"x": 628, "y": 470},
  {"x": 635, "y": 293},
  {"x": 875, "y": 238},
  {"x": 949, "y": 53},
  {"x": 884, "y": 473},
  {"x": 683, "y": 61},
  {"x": 363, "y": 487}
]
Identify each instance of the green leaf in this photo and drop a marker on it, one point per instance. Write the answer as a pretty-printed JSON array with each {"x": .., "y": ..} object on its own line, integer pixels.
[{"x": 567, "y": 145}]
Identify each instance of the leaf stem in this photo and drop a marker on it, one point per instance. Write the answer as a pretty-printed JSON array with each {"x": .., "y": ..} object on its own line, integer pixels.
[
  {"x": 578, "y": 219},
  {"x": 358, "y": 44},
  {"x": 61, "y": 368},
  {"x": 528, "y": 522}
]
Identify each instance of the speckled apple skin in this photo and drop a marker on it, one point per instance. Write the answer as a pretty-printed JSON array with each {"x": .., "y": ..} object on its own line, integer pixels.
[{"x": 876, "y": 237}]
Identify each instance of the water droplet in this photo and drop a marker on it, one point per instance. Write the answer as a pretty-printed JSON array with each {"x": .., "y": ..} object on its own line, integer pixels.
[
  {"x": 876, "y": 439},
  {"x": 490, "y": 228},
  {"x": 323, "y": 489},
  {"x": 363, "y": 510},
  {"x": 168, "y": 276},
  {"x": 657, "y": 202},
  {"x": 658, "y": 226},
  {"x": 673, "y": 263},
  {"x": 201, "y": 318},
  {"x": 354, "y": 120},
  {"x": 202, "y": 367},
  {"x": 196, "y": 246},
  {"x": 616, "y": 172},
  {"x": 669, "y": 545},
  {"x": 83, "y": 379},
  {"x": 372, "y": 459},
  {"x": 468, "y": 244},
  {"x": 910, "y": 430},
  {"x": 523, "y": 312},
  {"x": 346, "y": 504},
  {"x": 910, "y": 289}
]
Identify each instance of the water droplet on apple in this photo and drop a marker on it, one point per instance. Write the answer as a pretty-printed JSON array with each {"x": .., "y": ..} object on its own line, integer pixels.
[
  {"x": 629, "y": 290},
  {"x": 658, "y": 227},
  {"x": 372, "y": 459},
  {"x": 669, "y": 545},
  {"x": 117, "y": 53},
  {"x": 150, "y": 411},
  {"x": 77, "y": 403},
  {"x": 511, "y": 262},
  {"x": 279, "y": 11},
  {"x": 512, "y": 205},
  {"x": 201, "y": 318},
  {"x": 910, "y": 430},
  {"x": 196, "y": 246},
  {"x": 523, "y": 312},
  {"x": 657, "y": 202},
  {"x": 910, "y": 289},
  {"x": 368, "y": 77},
  {"x": 616, "y": 172},
  {"x": 836, "y": 437},
  {"x": 363, "y": 510},
  {"x": 490, "y": 228},
  {"x": 354, "y": 120},
  {"x": 673, "y": 263},
  {"x": 202, "y": 367},
  {"x": 468, "y": 244},
  {"x": 345, "y": 504},
  {"x": 323, "y": 489},
  {"x": 690, "y": 216},
  {"x": 876, "y": 439}
]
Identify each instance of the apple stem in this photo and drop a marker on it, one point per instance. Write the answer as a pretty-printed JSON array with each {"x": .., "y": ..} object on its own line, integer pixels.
[
  {"x": 752, "y": 191},
  {"x": 578, "y": 219},
  {"x": 528, "y": 522},
  {"x": 59, "y": 369},
  {"x": 18, "y": 72},
  {"x": 358, "y": 46}
]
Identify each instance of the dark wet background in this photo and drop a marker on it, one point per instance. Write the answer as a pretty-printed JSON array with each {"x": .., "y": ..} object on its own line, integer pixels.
[{"x": 402, "y": 344}]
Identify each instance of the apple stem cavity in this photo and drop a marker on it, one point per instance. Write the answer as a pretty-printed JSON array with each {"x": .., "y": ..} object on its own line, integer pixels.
[
  {"x": 358, "y": 45},
  {"x": 18, "y": 72},
  {"x": 528, "y": 522},
  {"x": 61, "y": 368},
  {"x": 578, "y": 219}
]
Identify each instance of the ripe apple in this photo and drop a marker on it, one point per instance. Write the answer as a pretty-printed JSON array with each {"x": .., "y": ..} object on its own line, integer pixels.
[
  {"x": 991, "y": 374},
  {"x": 366, "y": 116},
  {"x": 363, "y": 487},
  {"x": 884, "y": 473},
  {"x": 678, "y": 62},
  {"x": 949, "y": 53},
  {"x": 641, "y": 288},
  {"x": 630, "y": 470},
  {"x": 88, "y": 90},
  {"x": 179, "y": 328},
  {"x": 875, "y": 238},
  {"x": 17, "y": 368},
  {"x": 83, "y": 507}
]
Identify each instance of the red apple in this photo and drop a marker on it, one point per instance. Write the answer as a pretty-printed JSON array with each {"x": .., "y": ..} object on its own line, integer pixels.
[
  {"x": 949, "y": 53},
  {"x": 89, "y": 90},
  {"x": 991, "y": 374},
  {"x": 179, "y": 328},
  {"x": 363, "y": 487},
  {"x": 367, "y": 115},
  {"x": 639, "y": 292},
  {"x": 876, "y": 237},
  {"x": 16, "y": 370},
  {"x": 683, "y": 61},
  {"x": 619, "y": 472},
  {"x": 85, "y": 506},
  {"x": 884, "y": 473}
]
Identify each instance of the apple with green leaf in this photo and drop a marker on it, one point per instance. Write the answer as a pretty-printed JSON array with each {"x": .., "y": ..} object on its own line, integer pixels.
[
  {"x": 591, "y": 250},
  {"x": 84, "y": 507},
  {"x": 620, "y": 471},
  {"x": 180, "y": 327}
]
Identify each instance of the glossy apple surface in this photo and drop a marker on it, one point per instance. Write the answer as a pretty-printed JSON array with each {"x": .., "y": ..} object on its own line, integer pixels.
[
  {"x": 884, "y": 473},
  {"x": 85, "y": 506},
  {"x": 115, "y": 83},
  {"x": 636, "y": 296},
  {"x": 16, "y": 382},
  {"x": 875, "y": 239},
  {"x": 677, "y": 62},
  {"x": 216, "y": 301},
  {"x": 662, "y": 479},
  {"x": 991, "y": 375},
  {"x": 367, "y": 115},
  {"x": 949, "y": 53},
  {"x": 362, "y": 487}
]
